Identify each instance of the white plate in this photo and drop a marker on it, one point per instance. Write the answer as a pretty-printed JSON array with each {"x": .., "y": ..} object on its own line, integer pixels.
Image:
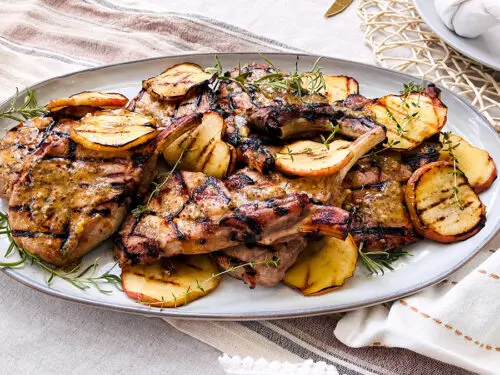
[
  {"x": 430, "y": 263},
  {"x": 484, "y": 49}
]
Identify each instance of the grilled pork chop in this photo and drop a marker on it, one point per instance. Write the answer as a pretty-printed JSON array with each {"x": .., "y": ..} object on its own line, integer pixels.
[
  {"x": 194, "y": 213},
  {"x": 377, "y": 185},
  {"x": 262, "y": 273},
  {"x": 69, "y": 199}
]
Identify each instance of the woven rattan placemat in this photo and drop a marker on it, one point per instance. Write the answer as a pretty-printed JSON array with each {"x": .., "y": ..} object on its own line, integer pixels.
[{"x": 401, "y": 40}]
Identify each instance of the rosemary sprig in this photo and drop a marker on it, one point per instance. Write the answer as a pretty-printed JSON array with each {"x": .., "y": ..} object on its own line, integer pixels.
[
  {"x": 28, "y": 109},
  {"x": 276, "y": 81},
  {"x": 273, "y": 262},
  {"x": 240, "y": 80},
  {"x": 377, "y": 261},
  {"x": 81, "y": 279},
  {"x": 456, "y": 172},
  {"x": 292, "y": 82},
  {"x": 144, "y": 208}
]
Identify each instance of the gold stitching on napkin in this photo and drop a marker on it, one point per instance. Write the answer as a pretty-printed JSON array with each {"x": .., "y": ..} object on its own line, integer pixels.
[
  {"x": 493, "y": 275},
  {"x": 447, "y": 326}
]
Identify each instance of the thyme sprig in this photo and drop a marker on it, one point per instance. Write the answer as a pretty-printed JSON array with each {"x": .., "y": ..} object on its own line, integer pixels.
[
  {"x": 81, "y": 279},
  {"x": 273, "y": 262},
  {"x": 411, "y": 107},
  {"x": 378, "y": 261},
  {"x": 28, "y": 109},
  {"x": 390, "y": 145},
  {"x": 326, "y": 141},
  {"x": 412, "y": 87},
  {"x": 449, "y": 148},
  {"x": 291, "y": 153}
]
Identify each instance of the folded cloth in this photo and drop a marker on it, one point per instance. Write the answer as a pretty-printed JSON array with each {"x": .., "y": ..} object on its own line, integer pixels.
[
  {"x": 455, "y": 322},
  {"x": 469, "y": 18},
  {"x": 249, "y": 366}
]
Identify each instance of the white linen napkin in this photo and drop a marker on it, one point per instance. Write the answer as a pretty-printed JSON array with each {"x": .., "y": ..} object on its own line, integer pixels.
[
  {"x": 249, "y": 366},
  {"x": 469, "y": 18},
  {"x": 456, "y": 321}
]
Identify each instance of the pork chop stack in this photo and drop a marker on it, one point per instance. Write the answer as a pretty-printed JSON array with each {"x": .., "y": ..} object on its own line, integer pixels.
[
  {"x": 256, "y": 213},
  {"x": 65, "y": 199}
]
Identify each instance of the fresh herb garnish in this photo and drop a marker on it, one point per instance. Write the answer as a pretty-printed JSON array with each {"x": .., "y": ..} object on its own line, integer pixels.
[
  {"x": 28, "y": 109},
  {"x": 411, "y": 87},
  {"x": 449, "y": 148},
  {"x": 300, "y": 84},
  {"x": 326, "y": 141},
  {"x": 408, "y": 88},
  {"x": 290, "y": 153},
  {"x": 273, "y": 262},
  {"x": 390, "y": 145},
  {"x": 377, "y": 261},
  {"x": 81, "y": 279}
]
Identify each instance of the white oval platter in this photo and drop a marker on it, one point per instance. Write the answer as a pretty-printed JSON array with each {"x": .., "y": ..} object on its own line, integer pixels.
[{"x": 430, "y": 263}]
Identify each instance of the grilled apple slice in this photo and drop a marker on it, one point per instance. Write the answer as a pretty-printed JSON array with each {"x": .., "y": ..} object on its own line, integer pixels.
[
  {"x": 203, "y": 150},
  {"x": 339, "y": 87},
  {"x": 92, "y": 99},
  {"x": 178, "y": 82},
  {"x": 477, "y": 164},
  {"x": 115, "y": 130},
  {"x": 336, "y": 87},
  {"x": 323, "y": 266},
  {"x": 171, "y": 282},
  {"x": 409, "y": 119},
  {"x": 308, "y": 158},
  {"x": 433, "y": 206}
]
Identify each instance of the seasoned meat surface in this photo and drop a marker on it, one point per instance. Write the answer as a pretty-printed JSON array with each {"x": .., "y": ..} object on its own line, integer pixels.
[
  {"x": 264, "y": 272},
  {"x": 391, "y": 165},
  {"x": 16, "y": 145},
  {"x": 194, "y": 213},
  {"x": 380, "y": 218}
]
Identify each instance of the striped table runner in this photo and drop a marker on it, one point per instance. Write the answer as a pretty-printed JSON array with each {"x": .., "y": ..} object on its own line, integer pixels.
[{"x": 40, "y": 39}]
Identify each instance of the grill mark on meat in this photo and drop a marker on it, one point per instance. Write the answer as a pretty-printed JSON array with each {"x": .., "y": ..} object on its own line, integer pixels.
[
  {"x": 101, "y": 212},
  {"x": 380, "y": 231},
  {"x": 179, "y": 234},
  {"x": 210, "y": 182},
  {"x": 377, "y": 186},
  {"x": 238, "y": 181},
  {"x": 72, "y": 150},
  {"x": 19, "y": 208},
  {"x": 280, "y": 211},
  {"x": 47, "y": 132},
  {"x": 31, "y": 234}
]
